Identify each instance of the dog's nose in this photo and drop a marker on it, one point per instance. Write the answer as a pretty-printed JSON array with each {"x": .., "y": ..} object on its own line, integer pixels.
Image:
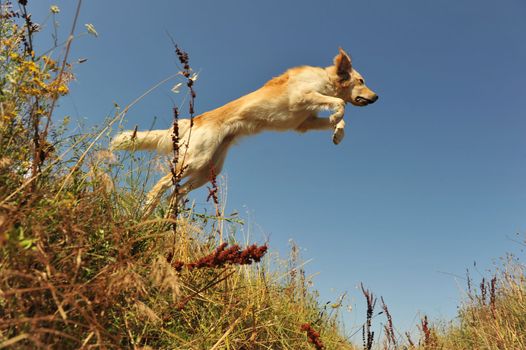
[{"x": 374, "y": 98}]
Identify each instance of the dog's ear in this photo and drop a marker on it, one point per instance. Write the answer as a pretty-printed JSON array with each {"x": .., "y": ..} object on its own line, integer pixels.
[{"x": 343, "y": 65}]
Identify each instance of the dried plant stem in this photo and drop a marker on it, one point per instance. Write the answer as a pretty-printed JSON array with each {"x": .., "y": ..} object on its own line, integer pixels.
[
  {"x": 368, "y": 335},
  {"x": 13, "y": 340},
  {"x": 389, "y": 329},
  {"x": 210, "y": 284},
  {"x": 231, "y": 328},
  {"x": 177, "y": 165},
  {"x": 62, "y": 67}
]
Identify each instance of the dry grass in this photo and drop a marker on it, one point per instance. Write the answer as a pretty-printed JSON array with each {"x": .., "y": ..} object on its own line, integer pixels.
[
  {"x": 491, "y": 316},
  {"x": 80, "y": 265},
  {"x": 494, "y": 317},
  {"x": 83, "y": 266}
]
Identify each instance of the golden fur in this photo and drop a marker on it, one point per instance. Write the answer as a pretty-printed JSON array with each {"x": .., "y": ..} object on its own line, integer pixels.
[{"x": 288, "y": 102}]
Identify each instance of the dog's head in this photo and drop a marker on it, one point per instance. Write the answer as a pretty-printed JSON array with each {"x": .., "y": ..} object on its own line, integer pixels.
[{"x": 350, "y": 85}]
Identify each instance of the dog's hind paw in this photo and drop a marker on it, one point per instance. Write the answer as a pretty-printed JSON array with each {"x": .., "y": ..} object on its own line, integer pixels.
[{"x": 339, "y": 133}]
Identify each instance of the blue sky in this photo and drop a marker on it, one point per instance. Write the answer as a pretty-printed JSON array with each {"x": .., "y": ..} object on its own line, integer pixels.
[{"x": 428, "y": 180}]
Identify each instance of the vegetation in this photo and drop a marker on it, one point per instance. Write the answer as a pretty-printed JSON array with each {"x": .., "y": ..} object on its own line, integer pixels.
[
  {"x": 83, "y": 266},
  {"x": 494, "y": 317},
  {"x": 80, "y": 265}
]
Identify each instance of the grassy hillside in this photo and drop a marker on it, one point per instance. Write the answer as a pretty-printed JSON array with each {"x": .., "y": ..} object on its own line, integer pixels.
[{"x": 82, "y": 265}]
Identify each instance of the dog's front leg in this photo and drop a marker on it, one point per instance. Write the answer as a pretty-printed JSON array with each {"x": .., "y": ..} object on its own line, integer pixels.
[
  {"x": 314, "y": 123},
  {"x": 339, "y": 132},
  {"x": 316, "y": 101}
]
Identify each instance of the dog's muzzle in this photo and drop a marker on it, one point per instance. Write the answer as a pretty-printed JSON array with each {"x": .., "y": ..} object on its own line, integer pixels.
[{"x": 365, "y": 101}]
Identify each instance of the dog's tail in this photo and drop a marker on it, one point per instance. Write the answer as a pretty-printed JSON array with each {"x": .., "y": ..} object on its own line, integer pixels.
[{"x": 152, "y": 140}]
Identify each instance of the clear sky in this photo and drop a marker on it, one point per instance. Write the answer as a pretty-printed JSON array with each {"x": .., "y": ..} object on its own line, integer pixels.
[{"x": 428, "y": 180}]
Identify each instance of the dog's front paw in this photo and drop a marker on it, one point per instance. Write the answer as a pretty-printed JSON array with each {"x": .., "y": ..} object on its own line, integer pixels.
[
  {"x": 339, "y": 132},
  {"x": 338, "y": 135}
]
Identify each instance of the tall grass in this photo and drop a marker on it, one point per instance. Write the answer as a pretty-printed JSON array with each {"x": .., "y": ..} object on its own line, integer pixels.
[
  {"x": 81, "y": 266},
  {"x": 493, "y": 316}
]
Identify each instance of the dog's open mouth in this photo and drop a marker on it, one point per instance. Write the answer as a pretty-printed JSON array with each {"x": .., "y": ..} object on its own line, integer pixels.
[{"x": 362, "y": 100}]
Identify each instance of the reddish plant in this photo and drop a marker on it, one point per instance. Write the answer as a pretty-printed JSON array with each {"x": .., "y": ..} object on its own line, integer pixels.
[
  {"x": 313, "y": 336},
  {"x": 430, "y": 339},
  {"x": 226, "y": 256},
  {"x": 368, "y": 335},
  {"x": 389, "y": 329},
  {"x": 483, "y": 291},
  {"x": 184, "y": 59},
  {"x": 213, "y": 191},
  {"x": 426, "y": 330},
  {"x": 176, "y": 175},
  {"x": 493, "y": 296}
]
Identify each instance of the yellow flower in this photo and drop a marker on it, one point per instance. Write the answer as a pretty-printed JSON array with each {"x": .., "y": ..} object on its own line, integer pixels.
[
  {"x": 62, "y": 89},
  {"x": 54, "y": 9},
  {"x": 50, "y": 63},
  {"x": 30, "y": 66},
  {"x": 40, "y": 83}
]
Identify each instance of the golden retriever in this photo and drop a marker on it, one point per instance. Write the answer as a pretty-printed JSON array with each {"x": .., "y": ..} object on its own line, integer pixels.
[{"x": 288, "y": 102}]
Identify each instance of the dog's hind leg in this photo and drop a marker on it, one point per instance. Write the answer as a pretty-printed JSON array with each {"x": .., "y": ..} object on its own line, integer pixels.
[
  {"x": 194, "y": 181},
  {"x": 154, "y": 196},
  {"x": 200, "y": 177}
]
